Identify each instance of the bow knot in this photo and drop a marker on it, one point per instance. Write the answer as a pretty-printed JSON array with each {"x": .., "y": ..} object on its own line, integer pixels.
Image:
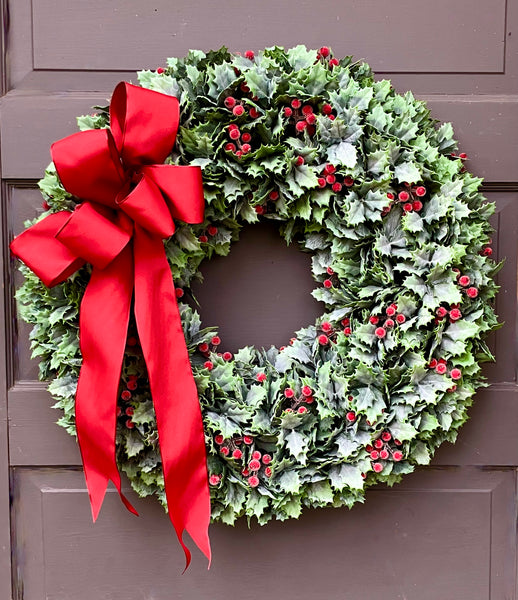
[{"x": 128, "y": 200}]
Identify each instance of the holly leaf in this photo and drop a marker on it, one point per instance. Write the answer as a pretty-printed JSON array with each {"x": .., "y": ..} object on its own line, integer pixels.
[
  {"x": 342, "y": 153},
  {"x": 343, "y": 476},
  {"x": 402, "y": 431},
  {"x": 407, "y": 172},
  {"x": 297, "y": 445},
  {"x": 289, "y": 481},
  {"x": 369, "y": 400}
]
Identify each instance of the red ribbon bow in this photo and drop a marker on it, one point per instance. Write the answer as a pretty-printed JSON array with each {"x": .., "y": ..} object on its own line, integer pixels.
[{"x": 128, "y": 205}]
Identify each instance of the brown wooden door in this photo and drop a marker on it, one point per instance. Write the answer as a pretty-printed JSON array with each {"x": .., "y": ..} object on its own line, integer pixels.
[{"x": 447, "y": 532}]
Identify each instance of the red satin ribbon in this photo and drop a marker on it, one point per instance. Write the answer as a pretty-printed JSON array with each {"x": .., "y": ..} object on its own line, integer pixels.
[{"x": 128, "y": 206}]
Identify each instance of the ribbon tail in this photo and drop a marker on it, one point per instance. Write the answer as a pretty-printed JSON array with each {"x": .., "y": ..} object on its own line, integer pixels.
[
  {"x": 103, "y": 328},
  {"x": 174, "y": 392}
]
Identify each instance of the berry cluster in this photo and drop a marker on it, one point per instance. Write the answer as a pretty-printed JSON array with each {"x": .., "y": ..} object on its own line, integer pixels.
[
  {"x": 235, "y": 448},
  {"x": 440, "y": 366},
  {"x": 409, "y": 198},
  {"x": 329, "y": 332},
  {"x": 211, "y": 231},
  {"x": 125, "y": 413},
  {"x": 391, "y": 318},
  {"x": 328, "y": 177},
  {"x": 487, "y": 250},
  {"x": 453, "y": 313},
  {"x": 273, "y": 196},
  {"x": 301, "y": 116},
  {"x": 381, "y": 449},
  {"x": 296, "y": 401},
  {"x": 464, "y": 281},
  {"x": 324, "y": 56},
  {"x": 205, "y": 348},
  {"x": 240, "y": 140},
  {"x": 330, "y": 281}
]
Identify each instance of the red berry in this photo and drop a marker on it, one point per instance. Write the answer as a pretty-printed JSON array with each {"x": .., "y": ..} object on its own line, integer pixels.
[
  {"x": 130, "y": 411},
  {"x": 224, "y": 450},
  {"x": 351, "y": 416},
  {"x": 230, "y": 102},
  {"x": 327, "y": 109},
  {"x": 455, "y": 374},
  {"x": 403, "y": 196},
  {"x": 203, "y": 347},
  {"x": 289, "y": 393},
  {"x": 299, "y": 161},
  {"x": 472, "y": 292},
  {"x": 307, "y": 391},
  {"x": 324, "y": 51},
  {"x": 329, "y": 169},
  {"x": 334, "y": 62},
  {"x": 209, "y": 365},
  {"x": 373, "y": 320},
  {"x": 441, "y": 369},
  {"x": 463, "y": 155},
  {"x": 441, "y": 312},
  {"x": 237, "y": 454},
  {"x": 273, "y": 195},
  {"x": 253, "y": 481},
  {"x": 238, "y": 110},
  {"x": 216, "y": 340},
  {"x": 309, "y": 400},
  {"x": 420, "y": 191},
  {"x": 321, "y": 182},
  {"x": 311, "y": 119},
  {"x": 254, "y": 113},
  {"x": 245, "y": 148},
  {"x": 378, "y": 467},
  {"x": 227, "y": 355},
  {"x": 397, "y": 442},
  {"x": 234, "y": 134},
  {"x": 389, "y": 323},
  {"x": 390, "y": 196},
  {"x": 348, "y": 181},
  {"x": 487, "y": 251},
  {"x": 397, "y": 455},
  {"x": 295, "y": 103},
  {"x": 126, "y": 395},
  {"x": 230, "y": 147},
  {"x": 374, "y": 455},
  {"x": 345, "y": 321},
  {"x": 301, "y": 410},
  {"x": 378, "y": 443},
  {"x": 179, "y": 292},
  {"x": 464, "y": 280},
  {"x": 417, "y": 205},
  {"x": 267, "y": 459},
  {"x": 246, "y": 137},
  {"x": 455, "y": 314},
  {"x": 239, "y": 154},
  {"x": 219, "y": 439},
  {"x": 130, "y": 424},
  {"x": 132, "y": 385},
  {"x": 380, "y": 332},
  {"x": 250, "y": 54},
  {"x": 407, "y": 207},
  {"x": 260, "y": 377},
  {"x": 254, "y": 465},
  {"x": 307, "y": 109},
  {"x": 390, "y": 311},
  {"x": 337, "y": 187},
  {"x": 259, "y": 210},
  {"x": 256, "y": 455},
  {"x": 268, "y": 472},
  {"x": 301, "y": 125},
  {"x": 245, "y": 472},
  {"x": 384, "y": 454},
  {"x": 323, "y": 340},
  {"x": 330, "y": 271},
  {"x": 400, "y": 318},
  {"x": 328, "y": 283},
  {"x": 287, "y": 111},
  {"x": 214, "y": 479},
  {"x": 248, "y": 439},
  {"x": 386, "y": 437},
  {"x": 326, "y": 326},
  {"x": 347, "y": 331},
  {"x": 160, "y": 70},
  {"x": 433, "y": 363}
]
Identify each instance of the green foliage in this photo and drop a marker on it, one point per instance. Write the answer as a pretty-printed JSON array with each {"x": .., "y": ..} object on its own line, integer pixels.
[{"x": 368, "y": 252}]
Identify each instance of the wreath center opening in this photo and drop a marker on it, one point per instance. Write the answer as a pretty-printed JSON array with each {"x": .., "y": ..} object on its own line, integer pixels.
[{"x": 260, "y": 294}]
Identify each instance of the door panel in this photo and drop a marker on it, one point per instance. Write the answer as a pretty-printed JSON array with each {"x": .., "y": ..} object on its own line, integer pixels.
[{"x": 449, "y": 530}]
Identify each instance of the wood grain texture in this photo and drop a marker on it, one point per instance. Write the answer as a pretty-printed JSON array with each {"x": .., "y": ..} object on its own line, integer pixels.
[{"x": 431, "y": 537}]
